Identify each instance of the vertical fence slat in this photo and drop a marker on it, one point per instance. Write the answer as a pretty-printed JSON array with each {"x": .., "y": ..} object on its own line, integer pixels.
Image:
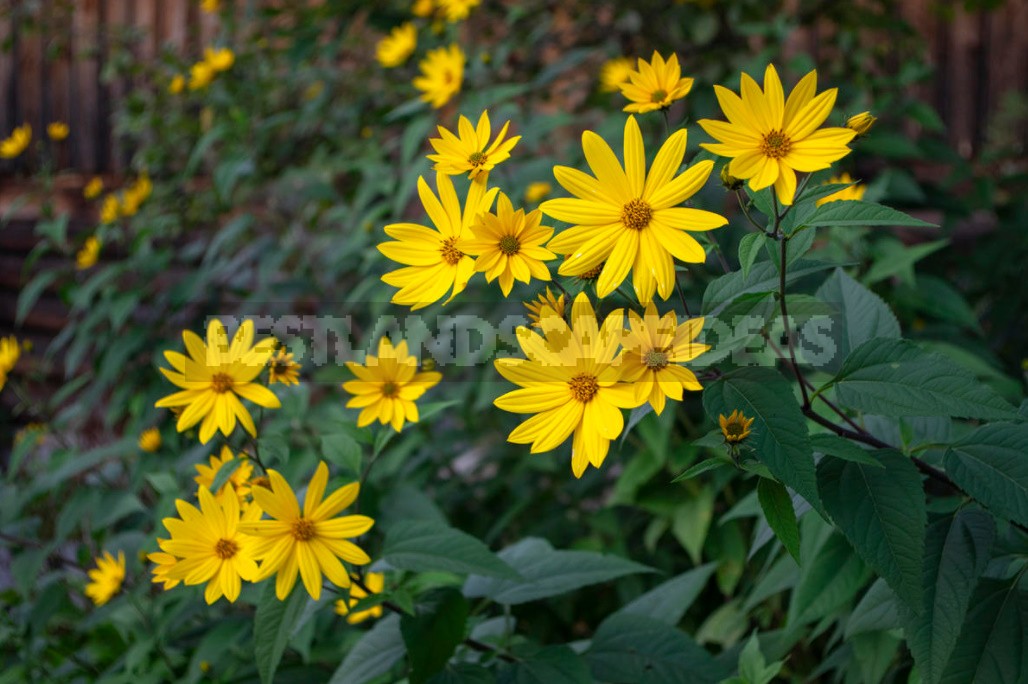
[
  {"x": 85, "y": 84},
  {"x": 60, "y": 63},
  {"x": 8, "y": 93}
]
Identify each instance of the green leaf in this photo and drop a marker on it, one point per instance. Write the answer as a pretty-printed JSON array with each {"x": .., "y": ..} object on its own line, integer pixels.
[
  {"x": 30, "y": 294},
  {"x": 342, "y": 450},
  {"x": 669, "y": 600},
  {"x": 860, "y": 213},
  {"x": 839, "y": 447},
  {"x": 224, "y": 473},
  {"x": 547, "y": 666},
  {"x": 777, "y": 506},
  {"x": 547, "y": 572},
  {"x": 433, "y": 633},
  {"x": 893, "y": 258},
  {"x": 428, "y": 545},
  {"x": 956, "y": 554},
  {"x": 882, "y": 513},
  {"x": 830, "y": 576},
  {"x": 862, "y": 315},
  {"x": 991, "y": 465},
  {"x": 749, "y": 250},
  {"x": 897, "y": 378},
  {"x": 275, "y": 622},
  {"x": 991, "y": 647},
  {"x": 463, "y": 673},
  {"x": 779, "y": 431},
  {"x": 702, "y": 467},
  {"x": 763, "y": 277},
  {"x": 877, "y": 611},
  {"x": 374, "y": 655},
  {"x": 632, "y": 649}
]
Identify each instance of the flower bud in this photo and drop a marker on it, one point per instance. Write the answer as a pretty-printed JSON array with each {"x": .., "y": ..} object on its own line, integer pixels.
[
  {"x": 728, "y": 180},
  {"x": 861, "y": 123}
]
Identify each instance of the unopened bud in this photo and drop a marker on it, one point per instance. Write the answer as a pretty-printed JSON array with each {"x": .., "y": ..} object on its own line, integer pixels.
[
  {"x": 861, "y": 123},
  {"x": 728, "y": 180}
]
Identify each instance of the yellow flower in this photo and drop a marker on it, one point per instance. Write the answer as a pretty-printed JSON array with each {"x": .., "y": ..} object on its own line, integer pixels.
[
  {"x": 769, "y": 139},
  {"x": 654, "y": 348},
  {"x": 853, "y": 192},
  {"x": 213, "y": 378},
  {"x": 614, "y": 73},
  {"x": 423, "y": 8},
  {"x": 106, "y": 578},
  {"x": 135, "y": 195},
  {"x": 210, "y": 6},
  {"x": 16, "y": 143},
  {"x": 508, "y": 245},
  {"x": 375, "y": 582},
  {"x": 394, "y": 49},
  {"x": 387, "y": 386},
  {"x": 538, "y": 305},
  {"x": 88, "y": 255},
  {"x": 10, "y": 352},
  {"x": 472, "y": 151},
  {"x": 165, "y": 562},
  {"x": 150, "y": 440},
  {"x": 201, "y": 75},
  {"x": 219, "y": 59},
  {"x": 457, "y": 10},
  {"x": 310, "y": 542},
  {"x": 655, "y": 84},
  {"x": 237, "y": 484},
  {"x": 628, "y": 218},
  {"x": 434, "y": 264},
  {"x": 283, "y": 369},
  {"x": 729, "y": 181},
  {"x": 571, "y": 381},
  {"x": 735, "y": 427},
  {"x": 177, "y": 84},
  {"x": 110, "y": 209},
  {"x": 57, "y": 130},
  {"x": 861, "y": 123},
  {"x": 209, "y": 546},
  {"x": 537, "y": 191},
  {"x": 93, "y": 188},
  {"x": 442, "y": 74}
]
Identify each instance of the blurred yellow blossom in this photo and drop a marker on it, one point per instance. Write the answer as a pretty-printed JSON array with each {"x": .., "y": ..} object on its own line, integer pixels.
[
  {"x": 615, "y": 72},
  {"x": 58, "y": 131},
  {"x": 544, "y": 301},
  {"x": 110, "y": 209},
  {"x": 88, "y": 255},
  {"x": 150, "y": 440},
  {"x": 210, "y": 6},
  {"x": 17, "y": 142},
  {"x": 442, "y": 74},
  {"x": 201, "y": 75},
  {"x": 457, "y": 10},
  {"x": 537, "y": 191},
  {"x": 106, "y": 578},
  {"x": 219, "y": 59},
  {"x": 10, "y": 352},
  {"x": 375, "y": 582},
  {"x": 655, "y": 84},
  {"x": 422, "y": 8},
  {"x": 93, "y": 188},
  {"x": 177, "y": 85},
  {"x": 394, "y": 49},
  {"x": 853, "y": 192}
]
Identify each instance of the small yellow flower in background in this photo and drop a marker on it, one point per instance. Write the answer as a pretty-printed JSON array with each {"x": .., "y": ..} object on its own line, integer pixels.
[
  {"x": 208, "y": 546},
  {"x": 57, "y": 130},
  {"x": 10, "y": 352},
  {"x": 201, "y": 75},
  {"x": 537, "y": 191},
  {"x": 571, "y": 381},
  {"x": 543, "y": 301},
  {"x": 89, "y": 254},
  {"x": 36, "y": 430},
  {"x": 471, "y": 152},
  {"x": 654, "y": 348},
  {"x": 735, "y": 427},
  {"x": 213, "y": 378},
  {"x": 110, "y": 209},
  {"x": 394, "y": 49},
  {"x": 237, "y": 484},
  {"x": 135, "y": 194},
  {"x": 106, "y": 578},
  {"x": 509, "y": 245},
  {"x": 853, "y": 192},
  {"x": 861, "y": 123},
  {"x": 375, "y": 582},
  {"x": 433, "y": 262},
  {"x": 457, "y": 10},
  {"x": 283, "y": 369},
  {"x": 150, "y": 440},
  {"x": 310, "y": 542},
  {"x": 655, "y": 84},
  {"x": 164, "y": 563},
  {"x": 387, "y": 386},
  {"x": 614, "y": 73},
  {"x": 210, "y": 6},
  {"x": 629, "y": 218},
  {"x": 769, "y": 139},
  {"x": 219, "y": 59},
  {"x": 93, "y": 188},
  {"x": 313, "y": 91},
  {"x": 177, "y": 84},
  {"x": 422, "y": 8},
  {"x": 442, "y": 74},
  {"x": 17, "y": 142}
]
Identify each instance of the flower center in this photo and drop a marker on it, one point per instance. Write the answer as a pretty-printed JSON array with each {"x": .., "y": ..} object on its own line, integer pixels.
[
  {"x": 261, "y": 481},
  {"x": 733, "y": 429},
  {"x": 636, "y": 214},
  {"x": 221, "y": 382},
  {"x": 451, "y": 254},
  {"x": 390, "y": 389},
  {"x": 303, "y": 530},
  {"x": 655, "y": 359},
  {"x": 509, "y": 245},
  {"x": 225, "y": 549},
  {"x": 478, "y": 158},
  {"x": 776, "y": 145},
  {"x": 658, "y": 95},
  {"x": 593, "y": 273},
  {"x": 584, "y": 387}
]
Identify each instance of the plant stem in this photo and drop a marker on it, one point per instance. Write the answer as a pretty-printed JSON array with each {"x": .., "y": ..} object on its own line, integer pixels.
[
  {"x": 744, "y": 205},
  {"x": 783, "y": 241}
]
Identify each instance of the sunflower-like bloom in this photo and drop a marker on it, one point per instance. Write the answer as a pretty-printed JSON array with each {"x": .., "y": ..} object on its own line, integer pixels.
[
  {"x": 508, "y": 245},
  {"x": 434, "y": 264},
  {"x": 57, "y": 131},
  {"x": 16, "y": 143},
  {"x": 93, "y": 188},
  {"x": 150, "y": 440},
  {"x": 283, "y": 369},
  {"x": 735, "y": 427},
  {"x": 375, "y": 582},
  {"x": 310, "y": 542},
  {"x": 853, "y": 192},
  {"x": 213, "y": 378},
  {"x": 164, "y": 562},
  {"x": 88, "y": 255},
  {"x": 106, "y": 578},
  {"x": 537, "y": 191},
  {"x": 654, "y": 348},
  {"x": 110, "y": 209},
  {"x": 209, "y": 546},
  {"x": 238, "y": 483},
  {"x": 442, "y": 74},
  {"x": 387, "y": 386},
  {"x": 770, "y": 138},
  {"x": 394, "y": 49},
  {"x": 628, "y": 218},
  {"x": 541, "y": 303},
  {"x": 655, "y": 84},
  {"x": 614, "y": 73},
  {"x": 219, "y": 59},
  {"x": 201, "y": 75},
  {"x": 457, "y": 10},
  {"x": 471, "y": 153},
  {"x": 571, "y": 380}
]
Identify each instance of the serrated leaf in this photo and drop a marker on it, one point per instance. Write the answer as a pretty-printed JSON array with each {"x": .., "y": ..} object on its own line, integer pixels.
[
  {"x": 763, "y": 277},
  {"x": 433, "y": 633},
  {"x": 749, "y": 250},
  {"x": 547, "y": 665},
  {"x": 882, "y": 513},
  {"x": 839, "y": 447},
  {"x": 778, "y": 511},
  {"x": 898, "y": 378},
  {"x": 860, "y": 213},
  {"x": 991, "y": 465},
  {"x": 274, "y": 624},
  {"x": 829, "y": 577},
  {"x": 342, "y": 450},
  {"x": 547, "y": 572},
  {"x": 374, "y": 655},
  {"x": 428, "y": 545},
  {"x": 862, "y": 315},
  {"x": 669, "y": 600},
  {"x": 632, "y": 649},
  {"x": 991, "y": 647},
  {"x": 877, "y": 611}
]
